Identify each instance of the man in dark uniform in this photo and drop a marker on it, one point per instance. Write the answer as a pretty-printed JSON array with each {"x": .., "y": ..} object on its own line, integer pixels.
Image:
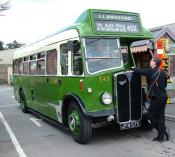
[{"x": 157, "y": 82}]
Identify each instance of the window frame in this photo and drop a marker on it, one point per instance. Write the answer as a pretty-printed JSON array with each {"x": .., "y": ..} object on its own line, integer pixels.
[
  {"x": 26, "y": 61},
  {"x": 127, "y": 52},
  {"x": 171, "y": 68},
  {"x": 86, "y": 56},
  {"x": 40, "y": 58},
  {"x": 33, "y": 60},
  {"x": 64, "y": 54},
  {"x": 46, "y": 70},
  {"x": 72, "y": 63},
  {"x": 18, "y": 66},
  {"x": 15, "y": 69},
  {"x": 70, "y": 60}
]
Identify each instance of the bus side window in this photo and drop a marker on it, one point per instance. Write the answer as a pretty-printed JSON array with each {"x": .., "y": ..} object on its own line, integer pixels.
[
  {"x": 64, "y": 59},
  {"x": 124, "y": 50},
  {"x": 32, "y": 68},
  {"x": 77, "y": 59},
  {"x": 32, "y": 65},
  {"x": 52, "y": 62},
  {"x": 41, "y": 63},
  {"x": 15, "y": 65},
  {"x": 20, "y": 68},
  {"x": 25, "y": 65}
]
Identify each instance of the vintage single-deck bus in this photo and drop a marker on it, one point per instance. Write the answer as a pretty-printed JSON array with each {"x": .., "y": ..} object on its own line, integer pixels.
[{"x": 66, "y": 78}]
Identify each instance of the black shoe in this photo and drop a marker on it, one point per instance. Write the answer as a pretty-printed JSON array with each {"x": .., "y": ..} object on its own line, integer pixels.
[
  {"x": 167, "y": 134},
  {"x": 155, "y": 139},
  {"x": 158, "y": 139}
]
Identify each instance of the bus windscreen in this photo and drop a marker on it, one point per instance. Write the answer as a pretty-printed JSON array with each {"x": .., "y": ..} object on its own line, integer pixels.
[{"x": 102, "y": 54}]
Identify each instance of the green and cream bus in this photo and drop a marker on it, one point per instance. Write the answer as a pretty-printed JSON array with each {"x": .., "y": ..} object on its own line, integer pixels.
[{"x": 64, "y": 79}]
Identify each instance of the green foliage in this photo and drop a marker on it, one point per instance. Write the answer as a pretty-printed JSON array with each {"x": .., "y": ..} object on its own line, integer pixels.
[
  {"x": 14, "y": 45},
  {"x": 1, "y": 45}
]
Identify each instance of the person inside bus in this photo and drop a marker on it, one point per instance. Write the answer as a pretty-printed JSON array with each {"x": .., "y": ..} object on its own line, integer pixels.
[
  {"x": 96, "y": 54},
  {"x": 97, "y": 50},
  {"x": 157, "y": 82}
]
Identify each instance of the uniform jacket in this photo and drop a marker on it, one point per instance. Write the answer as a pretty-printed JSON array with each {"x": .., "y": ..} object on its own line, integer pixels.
[{"x": 158, "y": 89}]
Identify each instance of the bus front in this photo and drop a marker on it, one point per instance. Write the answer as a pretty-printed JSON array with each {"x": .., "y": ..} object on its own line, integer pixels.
[{"x": 114, "y": 91}]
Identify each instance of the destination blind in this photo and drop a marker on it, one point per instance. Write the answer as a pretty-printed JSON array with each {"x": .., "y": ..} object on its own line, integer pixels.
[{"x": 110, "y": 22}]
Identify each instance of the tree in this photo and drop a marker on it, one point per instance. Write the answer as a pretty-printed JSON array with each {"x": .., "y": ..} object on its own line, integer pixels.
[
  {"x": 14, "y": 45},
  {"x": 4, "y": 6},
  {"x": 1, "y": 45}
]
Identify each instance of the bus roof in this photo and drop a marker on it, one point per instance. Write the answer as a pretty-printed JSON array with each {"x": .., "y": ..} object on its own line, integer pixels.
[
  {"x": 43, "y": 44},
  {"x": 110, "y": 22},
  {"x": 95, "y": 22}
]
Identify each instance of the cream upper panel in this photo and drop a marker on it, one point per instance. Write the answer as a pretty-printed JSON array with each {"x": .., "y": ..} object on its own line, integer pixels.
[{"x": 42, "y": 45}]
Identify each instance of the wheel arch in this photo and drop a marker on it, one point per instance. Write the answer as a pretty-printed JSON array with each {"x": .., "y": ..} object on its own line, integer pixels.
[
  {"x": 66, "y": 102},
  {"x": 20, "y": 90}
]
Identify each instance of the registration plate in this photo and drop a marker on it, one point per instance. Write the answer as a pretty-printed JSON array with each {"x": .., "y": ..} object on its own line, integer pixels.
[{"x": 128, "y": 125}]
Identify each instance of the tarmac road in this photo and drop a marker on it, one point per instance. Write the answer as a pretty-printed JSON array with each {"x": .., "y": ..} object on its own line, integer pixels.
[
  {"x": 25, "y": 135},
  {"x": 170, "y": 112}
]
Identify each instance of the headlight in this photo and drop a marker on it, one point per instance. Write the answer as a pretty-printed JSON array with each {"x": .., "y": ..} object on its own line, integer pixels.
[{"x": 106, "y": 98}]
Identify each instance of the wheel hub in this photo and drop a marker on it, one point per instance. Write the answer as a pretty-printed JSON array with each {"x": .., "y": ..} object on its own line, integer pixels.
[{"x": 74, "y": 122}]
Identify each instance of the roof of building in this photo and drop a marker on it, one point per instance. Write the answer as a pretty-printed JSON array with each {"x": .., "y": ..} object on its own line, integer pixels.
[
  {"x": 157, "y": 32},
  {"x": 6, "y": 56},
  {"x": 170, "y": 26},
  {"x": 140, "y": 43}
]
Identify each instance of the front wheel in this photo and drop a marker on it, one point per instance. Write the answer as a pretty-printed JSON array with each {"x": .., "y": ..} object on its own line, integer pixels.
[{"x": 79, "y": 125}]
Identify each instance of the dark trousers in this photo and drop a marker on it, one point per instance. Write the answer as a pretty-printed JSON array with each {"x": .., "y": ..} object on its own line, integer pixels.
[{"x": 156, "y": 114}]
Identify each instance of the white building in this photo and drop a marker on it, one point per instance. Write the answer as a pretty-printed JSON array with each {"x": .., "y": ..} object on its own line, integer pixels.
[{"x": 6, "y": 62}]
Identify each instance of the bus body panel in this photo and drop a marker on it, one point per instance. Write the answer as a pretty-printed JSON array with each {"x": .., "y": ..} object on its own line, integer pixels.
[{"x": 45, "y": 91}]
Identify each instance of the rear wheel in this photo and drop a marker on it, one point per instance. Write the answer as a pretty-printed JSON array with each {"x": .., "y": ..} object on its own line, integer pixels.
[
  {"x": 79, "y": 125},
  {"x": 23, "y": 103}
]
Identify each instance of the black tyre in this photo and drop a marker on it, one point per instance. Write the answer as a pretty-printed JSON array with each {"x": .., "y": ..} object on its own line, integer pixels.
[
  {"x": 79, "y": 125},
  {"x": 145, "y": 123},
  {"x": 23, "y": 103}
]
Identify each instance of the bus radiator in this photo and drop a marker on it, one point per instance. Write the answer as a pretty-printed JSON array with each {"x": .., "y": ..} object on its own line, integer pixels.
[{"x": 128, "y": 96}]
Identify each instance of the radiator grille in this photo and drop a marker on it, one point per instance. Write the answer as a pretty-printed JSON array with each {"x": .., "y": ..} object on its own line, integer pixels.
[{"x": 129, "y": 96}]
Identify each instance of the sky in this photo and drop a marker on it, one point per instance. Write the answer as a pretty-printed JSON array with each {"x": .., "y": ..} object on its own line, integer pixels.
[{"x": 30, "y": 20}]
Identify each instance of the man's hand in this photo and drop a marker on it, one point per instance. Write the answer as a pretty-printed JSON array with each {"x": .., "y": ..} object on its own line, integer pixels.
[{"x": 133, "y": 68}]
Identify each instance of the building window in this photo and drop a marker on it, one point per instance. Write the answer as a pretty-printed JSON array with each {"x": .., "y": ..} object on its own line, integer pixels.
[
  {"x": 172, "y": 65},
  {"x": 64, "y": 59},
  {"x": 52, "y": 62}
]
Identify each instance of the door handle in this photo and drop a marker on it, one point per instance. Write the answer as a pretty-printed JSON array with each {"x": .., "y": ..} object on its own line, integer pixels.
[
  {"x": 59, "y": 82},
  {"x": 47, "y": 80}
]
